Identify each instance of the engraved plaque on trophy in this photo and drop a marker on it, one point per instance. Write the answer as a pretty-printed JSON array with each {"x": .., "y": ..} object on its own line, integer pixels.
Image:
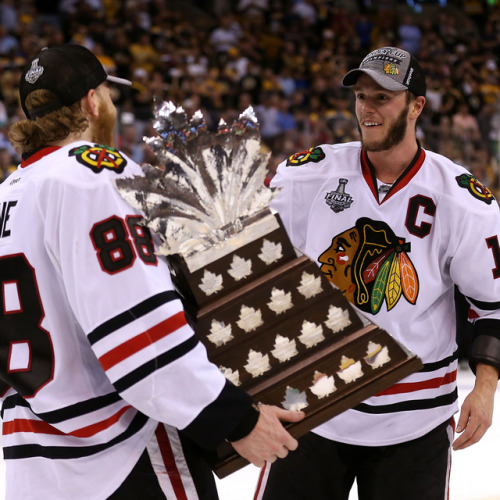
[{"x": 269, "y": 318}]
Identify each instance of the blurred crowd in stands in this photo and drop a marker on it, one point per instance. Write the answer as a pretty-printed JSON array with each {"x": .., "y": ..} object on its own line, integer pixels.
[{"x": 285, "y": 58}]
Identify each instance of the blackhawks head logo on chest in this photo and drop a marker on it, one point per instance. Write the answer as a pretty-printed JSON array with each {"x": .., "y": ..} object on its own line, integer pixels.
[{"x": 371, "y": 265}]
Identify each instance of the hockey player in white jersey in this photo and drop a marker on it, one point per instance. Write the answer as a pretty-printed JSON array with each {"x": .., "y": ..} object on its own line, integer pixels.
[
  {"x": 395, "y": 227},
  {"x": 95, "y": 352}
]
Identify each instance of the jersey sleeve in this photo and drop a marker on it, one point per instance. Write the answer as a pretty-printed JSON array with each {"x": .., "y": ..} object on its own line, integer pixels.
[
  {"x": 292, "y": 202},
  {"x": 122, "y": 296},
  {"x": 475, "y": 268}
]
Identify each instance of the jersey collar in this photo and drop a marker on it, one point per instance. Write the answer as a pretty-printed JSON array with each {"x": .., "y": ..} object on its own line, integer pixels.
[
  {"x": 31, "y": 158},
  {"x": 408, "y": 174}
]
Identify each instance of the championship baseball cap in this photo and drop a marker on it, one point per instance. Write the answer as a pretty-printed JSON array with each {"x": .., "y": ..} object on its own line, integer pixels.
[
  {"x": 392, "y": 68},
  {"x": 69, "y": 71}
]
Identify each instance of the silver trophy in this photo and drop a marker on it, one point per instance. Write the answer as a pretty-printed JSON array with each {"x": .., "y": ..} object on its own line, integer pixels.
[{"x": 269, "y": 318}]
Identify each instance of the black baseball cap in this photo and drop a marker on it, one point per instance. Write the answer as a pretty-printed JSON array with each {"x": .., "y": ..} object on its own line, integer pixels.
[
  {"x": 392, "y": 68},
  {"x": 69, "y": 71}
]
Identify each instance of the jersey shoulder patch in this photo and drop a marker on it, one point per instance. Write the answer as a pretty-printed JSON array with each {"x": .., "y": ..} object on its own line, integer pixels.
[
  {"x": 475, "y": 188},
  {"x": 99, "y": 157},
  {"x": 311, "y": 155}
]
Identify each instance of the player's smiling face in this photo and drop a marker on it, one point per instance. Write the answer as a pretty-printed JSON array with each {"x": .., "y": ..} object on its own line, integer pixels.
[{"x": 382, "y": 115}]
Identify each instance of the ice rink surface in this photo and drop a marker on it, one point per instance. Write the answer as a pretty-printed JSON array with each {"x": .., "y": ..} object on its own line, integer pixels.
[{"x": 474, "y": 474}]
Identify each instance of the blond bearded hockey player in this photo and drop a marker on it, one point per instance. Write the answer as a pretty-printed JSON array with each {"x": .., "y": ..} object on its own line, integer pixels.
[
  {"x": 395, "y": 227},
  {"x": 95, "y": 348}
]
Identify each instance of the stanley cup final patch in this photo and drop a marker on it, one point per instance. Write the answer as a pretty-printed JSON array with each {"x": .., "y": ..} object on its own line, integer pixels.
[
  {"x": 339, "y": 200},
  {"x": 34, "y": 73},
  {"x": 99, "y": 157}
]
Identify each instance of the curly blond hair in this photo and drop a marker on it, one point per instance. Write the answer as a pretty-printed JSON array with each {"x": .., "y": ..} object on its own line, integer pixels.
[{"x": 30, "y": 135}]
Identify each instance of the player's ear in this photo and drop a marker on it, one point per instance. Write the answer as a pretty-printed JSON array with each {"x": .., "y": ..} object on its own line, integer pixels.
[
  {"x": 89, "y": 103},
  {"x": 416, "y": 106}
]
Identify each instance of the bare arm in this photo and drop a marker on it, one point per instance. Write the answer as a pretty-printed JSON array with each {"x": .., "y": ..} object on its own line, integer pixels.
[
  {"x": 477, "y": 410},
  {"x": 268, "y": 439}
]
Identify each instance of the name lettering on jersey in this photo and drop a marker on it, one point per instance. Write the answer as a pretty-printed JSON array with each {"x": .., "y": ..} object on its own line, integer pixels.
[
  {"x": 475, "y": 188},
  {"x": 370, "y": 265},
  {"x": 339, "y": 200},
  {"x": 99, "y": 157},
  {"x": 15, "y": 181},
  {"x": 309, "y": 155},
  {"x": 5, "y": 216}
]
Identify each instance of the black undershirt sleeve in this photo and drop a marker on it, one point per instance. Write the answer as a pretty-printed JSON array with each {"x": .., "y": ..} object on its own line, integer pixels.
[
  {"x": 486, "y": 344},
  {"x": 231, "y": 417}
]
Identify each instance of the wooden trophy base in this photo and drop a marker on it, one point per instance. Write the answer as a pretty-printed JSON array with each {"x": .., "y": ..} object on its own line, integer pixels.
[
  {"x": 286, "y": 336},
  {"x": 224, "y": 461}
]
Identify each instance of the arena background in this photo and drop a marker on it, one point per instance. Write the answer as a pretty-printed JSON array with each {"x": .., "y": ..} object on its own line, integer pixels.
[
  {"x": 286, "y": 59},
  {"x": 283, "y": 57}
]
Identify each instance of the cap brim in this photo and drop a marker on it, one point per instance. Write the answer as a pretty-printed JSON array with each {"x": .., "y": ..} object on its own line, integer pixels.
[
  {"x": 384, "y": 81},
  {"x": 118, "y": 81}
]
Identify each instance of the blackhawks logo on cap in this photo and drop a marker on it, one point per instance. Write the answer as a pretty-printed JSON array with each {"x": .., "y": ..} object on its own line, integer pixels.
[
  {"x": 475, "y": 188},
  {"x": 391, "y": 69},
  {"x": 99, "y": 157},
  {"x": 313, "y": 154}
]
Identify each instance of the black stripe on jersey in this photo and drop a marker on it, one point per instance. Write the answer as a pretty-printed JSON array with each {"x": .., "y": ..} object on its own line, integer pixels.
[
  {"x": 485, "y": 306},
  {"x": 436, "y": 365},
  {"x": 13, "y": 401},
  {"x": 80, "y": 408},
  {"x": 71, "y": 452},
  {"x": 414, "y": 404},
  {"x": 132, "y": 314},
  {"x": 156, "y": 363},
  {"x": 68, "y": 412}
]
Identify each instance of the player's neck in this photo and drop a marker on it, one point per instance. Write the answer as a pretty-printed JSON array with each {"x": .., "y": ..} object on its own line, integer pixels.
[
  {"x": 73, "y": 137},
  {"x": 391, "y": 163}
]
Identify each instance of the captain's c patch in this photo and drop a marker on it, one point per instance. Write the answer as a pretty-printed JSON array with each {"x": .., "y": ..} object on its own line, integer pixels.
[
  {"x": 99, "y": 157},
  {"x": 475, "y": 188}
]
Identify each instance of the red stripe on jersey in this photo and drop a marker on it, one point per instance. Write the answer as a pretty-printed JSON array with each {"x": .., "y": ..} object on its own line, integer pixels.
[
  {"x": 94, "y": 429},
  {"x": 472, "y": 314},
  {"x": 402, "y": 182},
  {"x": 259, "y": 490},
  {"x": 432, "y": 383},
  {"x": 39, "y": 154},
  {"x": 170, "y": 465},
  {"x": 41, "y": 427},
  {"x": 26, "y": 425},
  {"x": 410, "y": 172},
  {"x": 367, "y": 174},
  {"x": 143, "y": 340}
]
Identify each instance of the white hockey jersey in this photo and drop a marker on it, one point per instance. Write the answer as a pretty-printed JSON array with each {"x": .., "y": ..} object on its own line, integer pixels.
[
  {"x": 397, "y": 259},
  {"x": 94, "y": 345}
]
